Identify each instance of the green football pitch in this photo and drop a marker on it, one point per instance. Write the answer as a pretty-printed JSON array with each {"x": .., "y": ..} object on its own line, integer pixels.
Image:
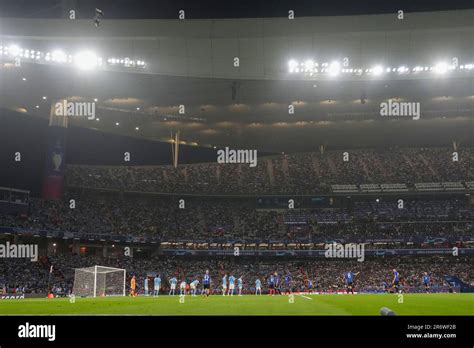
[{"x": 360, "y": 304}]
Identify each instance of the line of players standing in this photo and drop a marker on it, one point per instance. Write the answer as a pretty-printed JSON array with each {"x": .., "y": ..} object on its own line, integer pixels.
[{"x": 275, "y": 285}]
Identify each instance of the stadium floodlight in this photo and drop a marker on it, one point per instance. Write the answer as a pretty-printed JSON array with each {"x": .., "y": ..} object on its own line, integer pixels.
[
  {"x": 292, "y": 64},
  {"x": 14, "y": 50},
  {"x": 99, "y": 281},
  {"x": 441, "y": 68},
  {"x": 309, "y": 65},
  {"x": 59, "y": 56},
  {"x": 334, "y": 68},
  {"x": 377, "y": 70},
  {"x": 85, "y": 60},
  {"x": 402, "y": 69}
]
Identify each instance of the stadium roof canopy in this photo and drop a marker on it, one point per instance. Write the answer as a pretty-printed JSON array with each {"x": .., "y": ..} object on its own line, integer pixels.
[{"x": 237, "y": 78}]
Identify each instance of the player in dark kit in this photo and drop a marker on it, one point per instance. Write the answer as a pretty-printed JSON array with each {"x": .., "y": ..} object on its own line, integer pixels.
[
  {"x": 277, "y": 284},
  {"x": 395, "y": 280},
  {"x": 349, "y": 278},
  {"x": 287, "y": 283},
  {"x": 271, "y": 285},
  {"x": 206, "y": 282},
  {"x": 386, "y": 288},
  {"x": 426, "y": 282}
]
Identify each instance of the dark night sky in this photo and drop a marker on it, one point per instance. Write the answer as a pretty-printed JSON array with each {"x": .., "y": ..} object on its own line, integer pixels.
[{"x": 136, "y": 9}]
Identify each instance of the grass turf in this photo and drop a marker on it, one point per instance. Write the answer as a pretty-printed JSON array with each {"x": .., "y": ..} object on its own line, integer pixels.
[{"x": 360, "y": 304}]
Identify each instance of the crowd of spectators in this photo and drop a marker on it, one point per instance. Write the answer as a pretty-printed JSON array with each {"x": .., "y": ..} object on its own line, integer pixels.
[
  {"x": 303, "y": 173},
  {"x": 326, "y": 275},
  {"x": 227, "y": 220}
]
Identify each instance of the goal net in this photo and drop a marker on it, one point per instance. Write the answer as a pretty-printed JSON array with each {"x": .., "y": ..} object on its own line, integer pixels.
[{"x": 99, "y": 281}]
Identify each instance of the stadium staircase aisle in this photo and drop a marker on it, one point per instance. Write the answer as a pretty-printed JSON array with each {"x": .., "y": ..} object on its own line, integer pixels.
[
  {"x": 380, "y": 167},
  {"x": 332, "y": 166},
  {"x": 131, "y": 175},
  {"x": 285, "y": 167},
  {"x": 186, "y": 176},
  {"x": 238, "y": 229},
  {"x": 428, "y": 165},
  {"x": 202, "y": 224},
  {"x": 271, "y": 174},
  {"x": 239, "y": 174},
  {"x": 218, "y": 175},
  {"x": 315, "y": 164},
  {"x": 408, "y": 160}
]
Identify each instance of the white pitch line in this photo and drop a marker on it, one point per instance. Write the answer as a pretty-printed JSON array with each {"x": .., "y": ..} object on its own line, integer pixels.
[{"x": 306, "y": 297}]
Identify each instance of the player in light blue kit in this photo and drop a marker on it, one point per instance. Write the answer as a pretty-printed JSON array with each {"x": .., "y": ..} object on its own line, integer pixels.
[
  {"x": 231, "y": 285},
  {"x": 258, "y": 287},
  {"x": 146, "y": 285},
  {"x": 224, "y": 284},
  {"x": 173, "y": 282},
  {"x": 157, "y": 284},
  {"x": 182, "y": 288},
  {"x": 193, "y": 287},
  {"x": 240, "y": 284}
]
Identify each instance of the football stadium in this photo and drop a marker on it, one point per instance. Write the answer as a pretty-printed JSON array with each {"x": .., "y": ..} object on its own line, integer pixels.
[{"x": 297, "y": 163}]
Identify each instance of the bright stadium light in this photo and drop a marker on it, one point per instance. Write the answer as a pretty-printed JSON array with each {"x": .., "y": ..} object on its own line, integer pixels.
[
  {"x": 86, "y": 60},
  {"x": 334, "y": 68},
  {"x": 292, "y": 64},
  {"x": 59, "y": 56},
  {"x": 402, "y": 69},
  {"x": 377, "y": 70},
  {"x": 309, "y": 65},
  {"x": 14, "y": 50},
  {"x": 441, "y": 68}
]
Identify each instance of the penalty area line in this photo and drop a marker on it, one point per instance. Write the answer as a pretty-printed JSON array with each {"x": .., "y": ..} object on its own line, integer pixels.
[{"x": 306, "y": 297}]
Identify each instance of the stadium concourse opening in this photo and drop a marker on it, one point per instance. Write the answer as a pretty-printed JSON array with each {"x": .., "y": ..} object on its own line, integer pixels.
[{"x": 236, "y": 160}]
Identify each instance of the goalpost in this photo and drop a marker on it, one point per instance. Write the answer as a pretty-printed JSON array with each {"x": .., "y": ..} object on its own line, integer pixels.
[{"x": 99, "y": 281}]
